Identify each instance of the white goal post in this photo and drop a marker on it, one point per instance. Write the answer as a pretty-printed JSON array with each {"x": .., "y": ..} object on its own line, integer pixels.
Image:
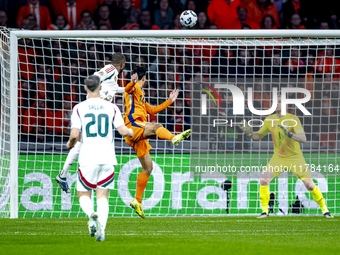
[{"x": 177, "y": 190}]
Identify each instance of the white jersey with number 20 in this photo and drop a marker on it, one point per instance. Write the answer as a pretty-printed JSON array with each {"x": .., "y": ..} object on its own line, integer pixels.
[{"x": 96, "y": 118}]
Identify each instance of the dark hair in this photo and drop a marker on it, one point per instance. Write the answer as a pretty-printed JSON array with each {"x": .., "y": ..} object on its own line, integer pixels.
[
  {"x": 60, "y": 14},
  {"x": 92, "y": 82},
  {"x": 158, "y": 4},
  {"x": 187, "y": 3},
  {"x": 85, "y": 11},
  {"x": 141, "y": 71},
  {"x": 31, "y": 15},
  {"x": 102, "y": 25},
  {"x": 145, "y": 10},
  {"x": 324, "y": 21},
  {"x": 245, "y": 26},
  {"x": 239, "y": 7},
  {"x": 266, "y": 16},
  {"x": 151, "y": 18},
  {"x": 103, "y": 5},
  {"x": 290, "y": 20},
  {"x": 118, "y": 58},
  {"x": 207, "y": 22},
  {"x": 268, "y": 2}
]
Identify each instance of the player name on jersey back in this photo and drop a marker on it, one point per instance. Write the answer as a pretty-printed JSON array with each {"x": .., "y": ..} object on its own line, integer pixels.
[
  {"x": 96, "y": 119},
  {"x": 96, "y": 107}
]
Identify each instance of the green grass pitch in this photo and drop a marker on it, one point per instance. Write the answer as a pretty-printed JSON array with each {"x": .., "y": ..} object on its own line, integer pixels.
[{"x": 174, "y": 235}]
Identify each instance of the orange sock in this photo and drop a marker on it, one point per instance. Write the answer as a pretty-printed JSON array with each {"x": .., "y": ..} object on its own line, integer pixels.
[
  {"x": 165, "y": 134},
  {"x": 142, "y": 180}
]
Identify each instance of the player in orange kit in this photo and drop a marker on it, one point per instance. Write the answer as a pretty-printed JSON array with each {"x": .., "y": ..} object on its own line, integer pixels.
[{"x": 135, "y": 117}]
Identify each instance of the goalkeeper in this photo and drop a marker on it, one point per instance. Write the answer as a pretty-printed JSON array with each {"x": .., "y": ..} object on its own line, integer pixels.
[
  {"x": 108, "y": 77},
  {"x": 287, "y": 154}
]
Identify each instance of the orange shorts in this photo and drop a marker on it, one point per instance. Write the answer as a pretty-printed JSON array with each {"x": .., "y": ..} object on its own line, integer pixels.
[{"x": 138, "y": 142}]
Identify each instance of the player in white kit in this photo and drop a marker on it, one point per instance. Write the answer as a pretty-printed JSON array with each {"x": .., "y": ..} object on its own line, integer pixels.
[
  {"x": 108, "y": 76},
  {"x": 92, "y": 122}
]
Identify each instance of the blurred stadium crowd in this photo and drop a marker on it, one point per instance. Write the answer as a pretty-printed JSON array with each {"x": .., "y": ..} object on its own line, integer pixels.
[
  {"x": 52, "y": 72},
  {"x": 164, "y": 14}
]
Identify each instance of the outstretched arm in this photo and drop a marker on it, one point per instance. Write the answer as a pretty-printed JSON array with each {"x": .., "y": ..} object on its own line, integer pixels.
[
  {"x": 247, "y": 130},
  {"x": 156, "y": 109},
  {"x": 130, "y": 88},
  {"x": 256, "y": 136}
]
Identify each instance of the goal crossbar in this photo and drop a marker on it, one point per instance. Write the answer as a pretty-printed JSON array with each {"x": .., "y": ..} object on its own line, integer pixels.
[{"x": 239, "y": 33}]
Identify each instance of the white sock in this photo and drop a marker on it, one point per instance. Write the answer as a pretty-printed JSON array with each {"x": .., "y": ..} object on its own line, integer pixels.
[
  {"x": 71, "y": 158},
  {"x": 103, "y": 213},
  {"x": 86, "y": 204}
]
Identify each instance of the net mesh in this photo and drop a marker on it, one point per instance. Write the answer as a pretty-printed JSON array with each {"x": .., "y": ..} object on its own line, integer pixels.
[
  {"x": 51, "y": 74},
  {"x": 5, "y": 125}
]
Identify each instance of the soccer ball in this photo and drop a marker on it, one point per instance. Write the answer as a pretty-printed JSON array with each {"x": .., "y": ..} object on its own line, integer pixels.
[{"x": 188, "y": 18}]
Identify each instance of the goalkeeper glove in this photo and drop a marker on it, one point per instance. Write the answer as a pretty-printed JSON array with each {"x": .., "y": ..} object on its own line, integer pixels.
[
  {"x": 245, "y": 128},
  {"x": 287, "y": 133}
]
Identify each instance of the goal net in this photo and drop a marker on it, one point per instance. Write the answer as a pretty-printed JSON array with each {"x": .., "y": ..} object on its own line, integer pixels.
[{"x": 217, "y": 170}]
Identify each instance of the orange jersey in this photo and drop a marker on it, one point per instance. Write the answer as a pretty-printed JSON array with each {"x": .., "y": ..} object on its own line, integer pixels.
[{"x": 135, "y": 107}]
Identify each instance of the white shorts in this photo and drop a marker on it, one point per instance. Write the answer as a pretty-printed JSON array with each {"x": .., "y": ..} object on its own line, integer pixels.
[{"x": 91, "y": 177}]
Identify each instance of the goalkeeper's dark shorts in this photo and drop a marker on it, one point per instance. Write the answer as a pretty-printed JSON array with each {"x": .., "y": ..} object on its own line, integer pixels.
[{"x": 297, "y": 166}]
